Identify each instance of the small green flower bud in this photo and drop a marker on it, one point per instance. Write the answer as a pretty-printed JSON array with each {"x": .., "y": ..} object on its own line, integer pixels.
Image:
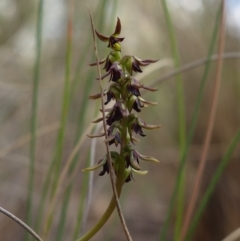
[{"x": 113, "y": 40}]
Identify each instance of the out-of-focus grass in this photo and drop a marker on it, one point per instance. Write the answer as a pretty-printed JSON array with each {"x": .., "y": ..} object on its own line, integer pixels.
[
  {"x": 181, "y": 117},
  {"x": 147, "y": 199},
  {"x": 212, "y": 185},
  {"x": 191, "y": 131},
  {"x": 34, "y": 113}
]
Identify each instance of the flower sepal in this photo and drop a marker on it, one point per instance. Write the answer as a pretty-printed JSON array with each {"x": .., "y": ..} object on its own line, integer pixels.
[
  {"x": 104, "y": 163},
  {"x": 132, "y": 63},
  {"x": 113, "y": 40},
  {"x": 118, "y": 111},
  {"x": 114, "y": 134}
]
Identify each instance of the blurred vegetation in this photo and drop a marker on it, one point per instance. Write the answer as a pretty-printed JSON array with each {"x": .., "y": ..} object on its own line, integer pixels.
[{"x": 145, "y": 201}]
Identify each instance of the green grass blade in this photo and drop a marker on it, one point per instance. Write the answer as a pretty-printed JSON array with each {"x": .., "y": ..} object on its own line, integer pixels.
[
  {"x": 207, "y": 195},
  {"x": 54, "y": 167},
  {"x": 191, "y": 129},
  {"x": 65, "y": 105},
  {"x": 73, "y": 165},
  {"x": 61, "y": 225},
  {"x": 81, "y": 204},
  {"x": 44, "y": 194},
  {"x": 57, "y": 159},
  {"x": 181, "y": 115},
  {"x": 81, "y": 118},
  {"x": 34, "y": 112}
]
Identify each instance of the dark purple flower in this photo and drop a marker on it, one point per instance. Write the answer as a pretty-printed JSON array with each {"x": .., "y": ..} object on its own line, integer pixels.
[
  {"x": 105, "y": 169},
  {"x": 114, "y": 134},
  {"x": 118, "y": 111},
  {"x": 115, "y": 72}
]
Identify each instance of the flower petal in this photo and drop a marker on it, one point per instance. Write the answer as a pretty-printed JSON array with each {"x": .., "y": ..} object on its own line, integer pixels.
[
  {"x": 100, "y": 62},
  {"x": 149, "y": 61},
  {"x": 146, "y": 126},
  {"x": 135, "y": 139},
  {"x": 146, "y": 158},
  {"x": 117, "y": 28},
  {"x": 147, "y": 101},
  {"x": 97, "y": 120},
  {"x": 148, "y": 88},
  {"x": 110, "y": 138},
  {"x": 102, "y": 37},
  {"x": 92, "y": 168},
  {"x": 134, "y": 161},
  {"x": 140, "y": 172},
  {"x": 97, "y": 135},
  {"x": 151, "y": 127},
  {"x": 94, "y": 97}
]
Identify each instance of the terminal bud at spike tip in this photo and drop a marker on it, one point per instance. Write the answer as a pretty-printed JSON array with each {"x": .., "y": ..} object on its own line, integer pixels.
[{"x": 113, "y": 40}]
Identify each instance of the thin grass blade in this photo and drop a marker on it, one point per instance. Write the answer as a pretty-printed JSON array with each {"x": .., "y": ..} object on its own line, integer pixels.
[
  {"x": 192, "y": 128},
  {"x": 208, "y": 193},
  {"x": 181, "y": 115},
  {"x": 34, "y": 113}
]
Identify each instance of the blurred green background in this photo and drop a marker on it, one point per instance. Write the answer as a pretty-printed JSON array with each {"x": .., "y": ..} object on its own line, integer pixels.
[{"x": 145, "y": 200}]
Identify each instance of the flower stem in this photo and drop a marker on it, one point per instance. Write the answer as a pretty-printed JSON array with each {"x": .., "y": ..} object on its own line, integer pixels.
[{"x": 105, "y": 216}]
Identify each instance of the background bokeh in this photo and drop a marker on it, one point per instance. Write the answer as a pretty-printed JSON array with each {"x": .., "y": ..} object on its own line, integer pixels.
[{"x": 145, "y": 200}]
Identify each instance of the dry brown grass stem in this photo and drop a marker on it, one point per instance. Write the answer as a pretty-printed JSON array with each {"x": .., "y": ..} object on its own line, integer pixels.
[
  {"x": 64, "y": 172},
  {"x": 112, "y": 174},
  {"x": 233, "y": 236},
  {"x": 203, "y": 159},
  {"x": 21, "y": 141},
  {"x": 195, "y": 64},
  {"x": 20, "y": 222}
]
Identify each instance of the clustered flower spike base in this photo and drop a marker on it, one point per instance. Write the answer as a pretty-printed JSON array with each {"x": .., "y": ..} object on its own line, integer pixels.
[{"x": 122, "y": 119}]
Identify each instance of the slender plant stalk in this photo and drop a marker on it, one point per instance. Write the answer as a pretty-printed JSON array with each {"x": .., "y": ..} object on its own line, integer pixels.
[
  {"x": 24, "y": 225},
  {"x": 191, "y": 129},
  {"x": 111, "y": 171},
  {"x": 207, "y": 140},
  {"x": 105, "y": 216},
  {"x": 34, "y": 113},
  {"x": 181, "y": 116},
  {"x": 208, "y": 193}
]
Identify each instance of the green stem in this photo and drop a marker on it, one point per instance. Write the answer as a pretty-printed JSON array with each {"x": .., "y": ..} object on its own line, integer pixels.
[{"x": 105, "y": 216}]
